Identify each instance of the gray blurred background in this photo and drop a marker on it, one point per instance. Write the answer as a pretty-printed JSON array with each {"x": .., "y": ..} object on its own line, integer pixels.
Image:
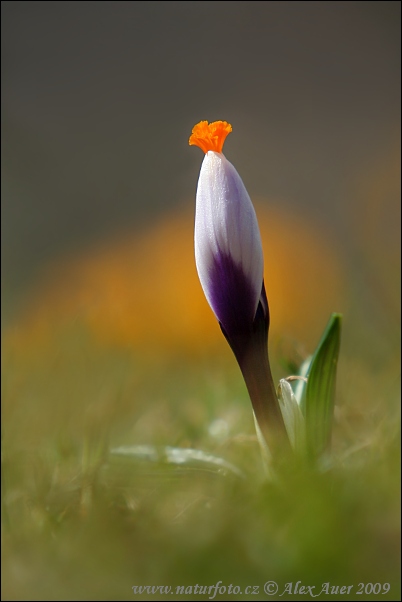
[{"x": 99, "y": 99}]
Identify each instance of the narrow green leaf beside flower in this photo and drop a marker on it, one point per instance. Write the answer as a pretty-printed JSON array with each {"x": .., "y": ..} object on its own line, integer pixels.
[{"x": 318, "y": 400}]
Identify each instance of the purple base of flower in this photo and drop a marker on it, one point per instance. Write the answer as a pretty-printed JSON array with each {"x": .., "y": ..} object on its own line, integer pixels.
[
  {"x": 232, "y": 296},
  {"x": 247, "y": 335}
]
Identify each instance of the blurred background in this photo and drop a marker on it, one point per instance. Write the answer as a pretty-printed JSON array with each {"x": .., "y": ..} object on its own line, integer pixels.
[
  {"x": 107, "y": 337},
  {"x": 98, "y": 102}
]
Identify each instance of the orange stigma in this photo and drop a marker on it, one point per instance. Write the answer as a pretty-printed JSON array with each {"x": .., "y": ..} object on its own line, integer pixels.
[{"x": 210, "y": 136}]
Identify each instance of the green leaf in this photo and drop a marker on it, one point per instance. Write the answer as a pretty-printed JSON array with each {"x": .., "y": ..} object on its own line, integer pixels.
[{"x": 318, "y": 400}]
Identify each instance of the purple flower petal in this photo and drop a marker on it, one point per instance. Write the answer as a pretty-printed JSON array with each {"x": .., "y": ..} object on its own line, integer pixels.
[
  {"x": 231, "y": 295},
  {"x": 228, "y": 247}
]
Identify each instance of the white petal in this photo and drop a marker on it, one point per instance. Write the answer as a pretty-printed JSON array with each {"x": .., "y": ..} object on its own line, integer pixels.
[
  {"x": 301, "y": 384},
  {"x": 226, "y": 223},
  {"x": 292, "y": 415}
]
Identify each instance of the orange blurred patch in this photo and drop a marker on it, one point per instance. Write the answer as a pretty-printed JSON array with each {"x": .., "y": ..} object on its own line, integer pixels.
[{"x": 144, "y": 292}]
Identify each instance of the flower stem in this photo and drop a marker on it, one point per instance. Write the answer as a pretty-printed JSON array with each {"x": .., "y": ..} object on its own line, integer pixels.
[
  {"x": 251, "y": 351},
  {"x": 260, "y": 385}
]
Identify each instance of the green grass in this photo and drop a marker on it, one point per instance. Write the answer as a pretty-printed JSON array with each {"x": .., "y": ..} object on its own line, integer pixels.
[{"x": 79, "y": 524}]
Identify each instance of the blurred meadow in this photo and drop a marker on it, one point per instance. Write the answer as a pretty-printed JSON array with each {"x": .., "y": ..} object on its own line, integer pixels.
[{"x": 107, "y": 339}]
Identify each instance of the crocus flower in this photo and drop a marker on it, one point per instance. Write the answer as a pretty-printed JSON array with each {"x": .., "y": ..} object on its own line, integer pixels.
[{"x": 229, "y": 260}]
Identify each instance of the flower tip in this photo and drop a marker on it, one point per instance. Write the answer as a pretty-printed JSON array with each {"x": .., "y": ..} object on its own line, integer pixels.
[{"x": 210, "y": 136}]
